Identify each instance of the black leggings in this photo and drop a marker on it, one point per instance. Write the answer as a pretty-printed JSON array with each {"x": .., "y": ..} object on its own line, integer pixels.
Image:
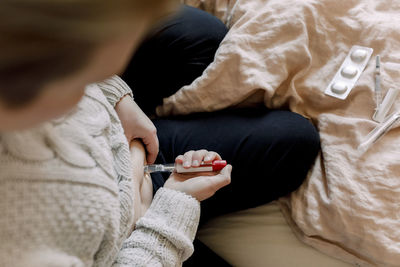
[{"x": 271, "y": 151}]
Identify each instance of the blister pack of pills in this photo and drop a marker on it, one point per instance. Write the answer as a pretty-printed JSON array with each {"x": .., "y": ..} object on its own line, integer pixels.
[{"x": 348, "y": 74}]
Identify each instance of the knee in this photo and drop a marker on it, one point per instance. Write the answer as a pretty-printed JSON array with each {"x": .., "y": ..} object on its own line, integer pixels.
[
  {"x": 303, "y": 135},
  {"x": 197, "y": 29},
  {"x": 300, "y": 143},
  {"x": 293, "y": 143},
  {"x": 204, "y": 23},
  {"x": 297, "y": 134},
  {"x": 278, "y": 132}
]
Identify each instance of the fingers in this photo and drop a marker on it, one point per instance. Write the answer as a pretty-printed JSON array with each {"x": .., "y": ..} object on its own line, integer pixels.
[
  {"x": 211, "y": 156},
  {"x": 187, "y": 159},
  {"x": 152, "y": 146},
  {"x": 179, "y": 159},
  {"x": 195, "y": 158}
]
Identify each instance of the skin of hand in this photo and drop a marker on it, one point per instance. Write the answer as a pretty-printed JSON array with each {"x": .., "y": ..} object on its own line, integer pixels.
[
  {"x": 142, "y": 184},
  {"x": 199, "y": 185},
  {"x": 138, "y": 126}
]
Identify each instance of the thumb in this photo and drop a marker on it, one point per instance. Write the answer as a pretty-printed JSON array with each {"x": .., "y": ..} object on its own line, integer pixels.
[
  {"x": 152, "y": 147},
  {"x": 223, "y": 178}
]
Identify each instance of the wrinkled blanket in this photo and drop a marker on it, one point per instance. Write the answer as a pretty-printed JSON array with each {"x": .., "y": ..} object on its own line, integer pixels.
[{"x": 283, "y": 53}]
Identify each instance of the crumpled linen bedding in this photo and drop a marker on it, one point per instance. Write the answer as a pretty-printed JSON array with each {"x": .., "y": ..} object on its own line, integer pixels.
[{"x": 283, "y": 54}]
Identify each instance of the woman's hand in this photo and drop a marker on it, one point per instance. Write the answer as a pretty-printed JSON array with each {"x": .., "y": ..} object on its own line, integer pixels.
[
  {"x": 138, "y": 126},
  {"x": 199, "y": 185}
]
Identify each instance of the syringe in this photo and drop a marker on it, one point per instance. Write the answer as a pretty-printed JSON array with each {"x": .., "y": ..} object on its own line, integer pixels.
[
  {"x": 214, "y": 166},
  {"x": 378, "y": 91}
]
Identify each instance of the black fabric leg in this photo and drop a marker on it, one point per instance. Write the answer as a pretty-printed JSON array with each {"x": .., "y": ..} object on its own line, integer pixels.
[
  {"x": 271, "y": 152},
  {"x": 174, "y": 56}
]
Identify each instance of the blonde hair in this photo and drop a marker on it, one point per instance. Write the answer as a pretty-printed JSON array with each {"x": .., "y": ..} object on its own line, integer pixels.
[{"x": 43, "y": 40}]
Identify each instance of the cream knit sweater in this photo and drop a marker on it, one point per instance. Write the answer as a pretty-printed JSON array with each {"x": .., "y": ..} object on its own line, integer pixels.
[{"x": 66, "y": 195}]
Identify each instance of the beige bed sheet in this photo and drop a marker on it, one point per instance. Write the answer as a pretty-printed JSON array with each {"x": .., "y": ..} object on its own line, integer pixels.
[
  {"x": 260, "y": 237},
  {"x": 283, "y": 54}
]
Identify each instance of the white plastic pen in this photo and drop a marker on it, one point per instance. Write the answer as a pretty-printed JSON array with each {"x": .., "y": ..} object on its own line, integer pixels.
[
  {"x": 386, "y": 105},
  {"x": 214, "y": 166},
  {"x": 378, "y": 132}
]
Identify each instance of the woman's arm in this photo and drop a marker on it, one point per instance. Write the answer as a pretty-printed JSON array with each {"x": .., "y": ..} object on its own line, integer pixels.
[
  {"x": 114, "y": 89},
  {"x": 135, "y": 123},
  {"x": 164, "y": 235}
]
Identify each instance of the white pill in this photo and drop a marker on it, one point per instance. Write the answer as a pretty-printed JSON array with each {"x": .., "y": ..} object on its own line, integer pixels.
[
  {"x": 358, "y": 55},
  {"x": 349, "y": 71},
  {"x": 339, "y": 88}
]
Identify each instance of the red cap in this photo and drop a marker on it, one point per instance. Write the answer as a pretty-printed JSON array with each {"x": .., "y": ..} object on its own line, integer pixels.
[{"x": 218, "y": 165}]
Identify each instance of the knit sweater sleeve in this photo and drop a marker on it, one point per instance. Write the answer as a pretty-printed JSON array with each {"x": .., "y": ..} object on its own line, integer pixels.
[
  {"x": 164, "y": 235},
  {"x": 114, "y": 89}
]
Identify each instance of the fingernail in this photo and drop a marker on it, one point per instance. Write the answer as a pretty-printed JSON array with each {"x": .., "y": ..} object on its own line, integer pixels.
[
  {"x": 186, "y": 164},
  {"x": 195, "y": 163}
]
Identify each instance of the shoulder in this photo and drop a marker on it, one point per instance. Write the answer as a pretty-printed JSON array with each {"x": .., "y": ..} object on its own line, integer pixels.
[{"x": 80, "y": 141}]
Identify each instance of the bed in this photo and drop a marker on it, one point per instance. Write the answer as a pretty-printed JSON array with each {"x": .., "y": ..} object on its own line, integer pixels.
[
  {"x": 283, "y": 54},
  {"x": 260, "y": 237}
]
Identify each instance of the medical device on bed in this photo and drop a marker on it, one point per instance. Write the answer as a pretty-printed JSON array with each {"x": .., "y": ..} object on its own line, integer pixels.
[
  {"x": 349, "y": 72},
  {"x": 382, "y": 107},
  {"x": 387, "y": 103},
  {"x": 378, "y": 91},
  {"x": 216, "y": 165},
  {"x": 378, "y": 132}
]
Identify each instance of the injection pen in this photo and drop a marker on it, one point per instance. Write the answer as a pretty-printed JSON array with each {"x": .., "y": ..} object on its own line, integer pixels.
[
  {"x": 378, "y": 91},
  {"x": 378, "y": 132},
  {"x": 214, "y": 166}
]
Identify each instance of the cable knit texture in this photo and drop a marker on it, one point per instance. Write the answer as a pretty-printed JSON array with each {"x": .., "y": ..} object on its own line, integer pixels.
[{"x": 67, "y": 196}]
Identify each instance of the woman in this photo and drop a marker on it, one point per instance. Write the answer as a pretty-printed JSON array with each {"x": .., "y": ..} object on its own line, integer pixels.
[
  {"x": 72, "y": 187},
  {"x": 70, "y": 193}
]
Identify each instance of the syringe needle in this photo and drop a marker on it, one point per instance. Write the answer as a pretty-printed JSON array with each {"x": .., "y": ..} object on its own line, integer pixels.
[{"x": 378, "y": 91}]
